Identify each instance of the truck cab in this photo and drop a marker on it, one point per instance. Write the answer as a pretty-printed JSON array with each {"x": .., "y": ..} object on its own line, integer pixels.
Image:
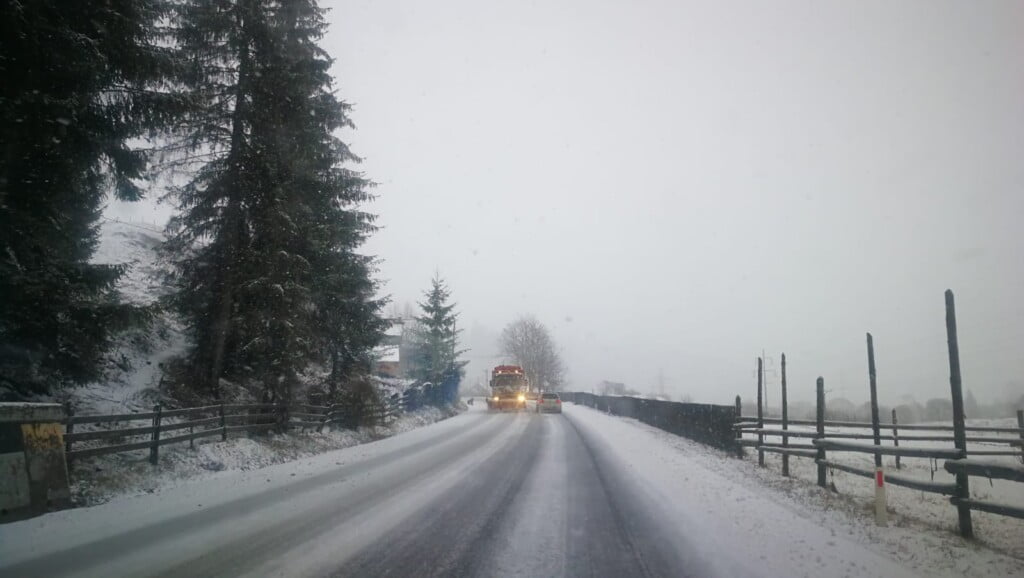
[{"x": 509, "y": 388}]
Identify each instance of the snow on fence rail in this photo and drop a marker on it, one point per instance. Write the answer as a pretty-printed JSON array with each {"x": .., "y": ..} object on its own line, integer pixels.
[
  {"x": 959, "y": 460},
  {"x": 117, "y": 430},
  {"x": 842, "y": 435}
]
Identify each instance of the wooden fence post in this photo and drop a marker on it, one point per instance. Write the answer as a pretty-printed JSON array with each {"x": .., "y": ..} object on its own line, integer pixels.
[
  {"x": 959, "y": 433},
  {"x": 69, "y": 428},
  {"x": 284, "y": 419},
  {"x": 327, "y": 417},
  {"x": 760, "y": 411},
  {"x": 875, "y": 427},
  {"x": 223, "y": 424},
  {"x": 154, "y": 450},
  {"x": 785, "y": 420},
  {"x": 896, "y": 436},
  {"x": 739, "y": 432},
  {"x": 1020, "y": 425},
  {"x": 820, "y": 458}
]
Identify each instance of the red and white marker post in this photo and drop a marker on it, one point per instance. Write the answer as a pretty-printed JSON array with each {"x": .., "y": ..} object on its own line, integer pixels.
[{"x": 881, "y": 515}]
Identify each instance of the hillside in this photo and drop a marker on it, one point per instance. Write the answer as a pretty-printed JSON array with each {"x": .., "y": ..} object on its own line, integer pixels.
[{"x": 134, "y": 364}]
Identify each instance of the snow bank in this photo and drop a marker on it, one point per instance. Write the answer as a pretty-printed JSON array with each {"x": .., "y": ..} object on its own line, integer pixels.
[
  {"x": 931, "y": 512},
  {"x": 751, "y": 515},
  {"x": 280, "y": 491},
  {"x": 100, "y": 479}
]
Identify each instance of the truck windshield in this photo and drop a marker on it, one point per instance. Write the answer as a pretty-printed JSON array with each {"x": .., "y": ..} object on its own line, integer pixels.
[{"x": 508, "y": 381}]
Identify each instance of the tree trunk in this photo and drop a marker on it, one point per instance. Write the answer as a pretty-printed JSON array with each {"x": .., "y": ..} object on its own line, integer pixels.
[
  {"x": 335, "y": 377},
  {"x": 233, "y": 222}
]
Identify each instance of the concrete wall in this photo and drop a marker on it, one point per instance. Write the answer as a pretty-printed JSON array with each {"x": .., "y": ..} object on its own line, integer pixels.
[{"x": 33, "y": 469}]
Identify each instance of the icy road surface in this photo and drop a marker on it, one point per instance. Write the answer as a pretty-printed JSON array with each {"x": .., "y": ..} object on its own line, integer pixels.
[{"x": 578, "y": 494}]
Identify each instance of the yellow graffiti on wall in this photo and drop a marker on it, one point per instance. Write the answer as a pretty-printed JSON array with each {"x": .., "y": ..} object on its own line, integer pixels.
[{"x": 41, "y": 437}]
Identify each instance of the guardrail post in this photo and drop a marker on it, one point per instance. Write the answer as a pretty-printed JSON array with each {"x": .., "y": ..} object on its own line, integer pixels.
[
  {"x": 896, "y": 436},
  {"x": 760, "y": 411},
  {"x": 154, "y": 450},
  {"x": 69, "y": 428},
  {"x": 223, "y": 424},
  {"x": 820, "y": 458},
  {"x": 959, "y": 432},
  {"x": 1020, "y": 425},
  {"x": 785, "y": 420},
  {"x": 875, "y": 428}
]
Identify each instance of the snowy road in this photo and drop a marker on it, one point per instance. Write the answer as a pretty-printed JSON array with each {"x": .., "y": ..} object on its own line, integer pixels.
[{"x": 579, "y": 494}]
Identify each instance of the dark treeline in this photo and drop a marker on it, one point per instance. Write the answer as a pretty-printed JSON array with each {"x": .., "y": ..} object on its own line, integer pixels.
[
  {"x": 235, "y": 95},
  {"x": 910, "y": 411}
]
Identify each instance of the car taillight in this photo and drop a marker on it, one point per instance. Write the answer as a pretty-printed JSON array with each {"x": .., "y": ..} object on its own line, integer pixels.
[{"x": 558, "y": 401}]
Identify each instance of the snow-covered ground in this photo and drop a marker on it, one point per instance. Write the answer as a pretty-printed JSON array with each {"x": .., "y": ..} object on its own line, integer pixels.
[
  {"x": 257, "y": 497},
  {"x": 101, "y": 478},
  {"x": 496, "y": 494},
  {"x": 914, "y": 508},
  {"x": 135, "y": 364},
  {"x": 765, "y": 512}
]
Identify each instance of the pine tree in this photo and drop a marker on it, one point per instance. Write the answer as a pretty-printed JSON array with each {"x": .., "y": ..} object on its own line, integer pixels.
[
  {"x": 437, "y": 336},
  {"x": 210, "y": 238},
  {"x": 280, "y": 285},
  {"x": 350, "y": 323},
  {"x": 79, "y": 80}
]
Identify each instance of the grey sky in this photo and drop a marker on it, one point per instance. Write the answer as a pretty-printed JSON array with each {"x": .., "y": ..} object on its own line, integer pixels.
[{"x": 677, "y": 185}]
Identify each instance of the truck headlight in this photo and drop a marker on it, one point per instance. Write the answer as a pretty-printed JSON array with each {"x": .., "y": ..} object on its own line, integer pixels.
[
  {"x": 495, "y": 398},
  {"x": 521, "y": 397}
]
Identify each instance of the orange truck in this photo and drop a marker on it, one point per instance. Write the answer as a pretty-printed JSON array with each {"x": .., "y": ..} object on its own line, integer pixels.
[{"x": 509, "y": 387}]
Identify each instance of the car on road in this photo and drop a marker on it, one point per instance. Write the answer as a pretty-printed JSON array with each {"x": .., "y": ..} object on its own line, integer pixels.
[{"x": 549, "y": 402}]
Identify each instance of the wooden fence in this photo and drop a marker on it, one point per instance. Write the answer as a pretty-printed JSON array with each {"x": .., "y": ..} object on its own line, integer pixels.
[
  {"x": 116, "y": 433},
  {"x": 957, "y": 459}
]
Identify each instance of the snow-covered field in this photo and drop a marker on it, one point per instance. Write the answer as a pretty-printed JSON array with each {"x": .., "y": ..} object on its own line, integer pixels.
[
  {"x": 758, "y": 502},
  {"x": 913, "y": 507}
]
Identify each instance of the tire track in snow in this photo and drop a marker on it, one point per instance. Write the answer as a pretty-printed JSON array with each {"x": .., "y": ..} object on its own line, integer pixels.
[{"x": 453, "y": 534}]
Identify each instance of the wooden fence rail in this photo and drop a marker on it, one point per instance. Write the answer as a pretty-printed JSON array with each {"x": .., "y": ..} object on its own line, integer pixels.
[
  {"x": 214, "y": 420},
  {"x": 959, "y": 460},
  {"x": 751, "y": 421}
]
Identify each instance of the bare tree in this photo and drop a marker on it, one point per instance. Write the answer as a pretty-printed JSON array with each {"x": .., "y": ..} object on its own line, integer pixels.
[{"x": 528, "y": 342}]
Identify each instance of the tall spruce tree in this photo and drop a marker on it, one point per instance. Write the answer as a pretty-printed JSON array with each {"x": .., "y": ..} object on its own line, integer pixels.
[
  {"x": 80, "y": 79},
  {"x": 316, "y": 291},
  {"x": 280, "y": 284},
  {"x": 437, "y": 336},
  {"x": 210, "y": 236},
  {"x": 350, "y": 322}
]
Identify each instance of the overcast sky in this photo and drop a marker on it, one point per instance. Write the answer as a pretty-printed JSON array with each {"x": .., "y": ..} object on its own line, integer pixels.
[{"x": 674, "y": 186}]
